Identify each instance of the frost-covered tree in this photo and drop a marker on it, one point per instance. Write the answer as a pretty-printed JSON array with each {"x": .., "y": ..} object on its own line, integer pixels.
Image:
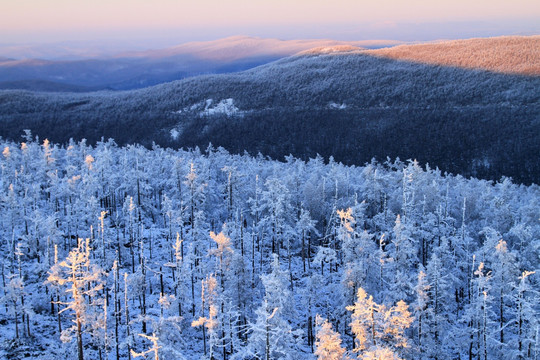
[
  {"x": 276, "y": 203},
  {"x": 325, "y": 256},
  {"x": 153, "y": 349},
  {"x": 12, "y": 299},
  {"x": 305, "y": 229},
  {"x": 222, "y": 252},
  {"x": 83, "y": 280},
  {"x": 479, "y": 316},
  {"x": 377, "y": 327},
  {"x": 505, "y": 275},
  {"x": 209, "y": 321},
  {"x": 526, "y": 319},
  {"x": 272, "y": 336},
  {"x": 328, "y": 343},
  {"x": 422, "y": 313},
  {"x": 404, "y": 257}
]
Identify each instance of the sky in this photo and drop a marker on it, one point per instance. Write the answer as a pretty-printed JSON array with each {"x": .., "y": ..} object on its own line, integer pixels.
[{"x": 159, "y": 22}]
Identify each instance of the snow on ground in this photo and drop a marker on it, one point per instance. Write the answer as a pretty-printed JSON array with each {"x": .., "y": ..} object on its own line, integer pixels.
[
  {"x": 224, "y": 107},
  {"x": 209, "y": 107},
  {"x": 174, "y": 134},
  {"x": 334, "y": 105}
]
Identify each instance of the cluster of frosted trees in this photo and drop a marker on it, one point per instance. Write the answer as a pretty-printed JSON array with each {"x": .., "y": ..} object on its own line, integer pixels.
[{"x": 122, "y": 252}]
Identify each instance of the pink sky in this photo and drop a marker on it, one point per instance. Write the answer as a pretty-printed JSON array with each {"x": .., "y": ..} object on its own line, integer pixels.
[{"x": 27, "y": 20}]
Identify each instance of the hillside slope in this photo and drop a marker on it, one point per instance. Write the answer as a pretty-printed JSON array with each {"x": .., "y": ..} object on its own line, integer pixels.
[
  {"x": 239, "y": 47},
  {"x": 352, "y": 106},
  {"x": 132, "y": 70},
  {"x": 506, "y": 54}
]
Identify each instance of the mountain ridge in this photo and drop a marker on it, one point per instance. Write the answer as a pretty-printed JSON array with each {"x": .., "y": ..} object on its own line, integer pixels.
[
  {"x": 506, "y": 54},
  {"x": 131, "y": 70},
  {"x": 234, "y": 47}
]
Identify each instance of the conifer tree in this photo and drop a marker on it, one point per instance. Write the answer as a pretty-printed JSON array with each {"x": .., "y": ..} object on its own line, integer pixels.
[
  {"x": 305, "y": 227},
  {"x": 153, "y": 349},
  {"x": 379, "y": 329},
  {"x": 422, "y": 313},
  {"x": 276, "y": 202},
  {"x": 328, "y": 343},
  {"x": 271, "y": 335},
  {"x": 526, "y": 318},
  {"x": 14, "y": 292},
  {"x": 209, "y": 322},
  {"x": 178, "y": 266},
  {"x": 84, "y": 281}
]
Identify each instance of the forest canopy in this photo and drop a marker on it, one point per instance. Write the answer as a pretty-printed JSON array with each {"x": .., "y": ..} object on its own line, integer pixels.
[{"x": 208, "y": 254}]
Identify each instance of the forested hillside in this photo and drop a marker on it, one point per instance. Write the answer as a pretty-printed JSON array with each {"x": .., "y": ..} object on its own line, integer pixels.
[
  {"x": 351, "y": 106},
  {"x": 505, "y": 54},
  {"x": 111, "y": 252},
  {"x": 39, "y": 69}
]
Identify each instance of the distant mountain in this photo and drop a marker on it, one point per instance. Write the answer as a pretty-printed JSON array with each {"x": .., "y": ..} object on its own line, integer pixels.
[
  {"x": 44, "y": 86},
  {"x": 132, "y": 70},
  {"x": 114, "y": 74},
  {"x": 56, "y": 51},
  {"x": 242, "y": 47},
  {"x": 506, "y": 54},
  {"x": 349, "y": 105}
]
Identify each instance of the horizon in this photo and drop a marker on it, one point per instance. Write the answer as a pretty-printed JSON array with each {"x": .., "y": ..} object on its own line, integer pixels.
[
  {"x": 137, "y": 25},
  {"x": 101, "y": 47}
]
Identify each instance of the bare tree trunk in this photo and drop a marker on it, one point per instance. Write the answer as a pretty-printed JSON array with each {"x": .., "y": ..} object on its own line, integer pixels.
[
  {"x": 79, "y": 338},
  {"x": 16, "y": 320},
  {"x": 58, "y": 313},
  {"x": 126, "y": 309},
  {"x": 303, "y": 250},
  {"x": 267, "y": 339}
]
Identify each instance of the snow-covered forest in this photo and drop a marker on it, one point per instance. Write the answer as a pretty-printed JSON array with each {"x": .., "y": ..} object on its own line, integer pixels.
[{"x": 112, "y": 252}]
